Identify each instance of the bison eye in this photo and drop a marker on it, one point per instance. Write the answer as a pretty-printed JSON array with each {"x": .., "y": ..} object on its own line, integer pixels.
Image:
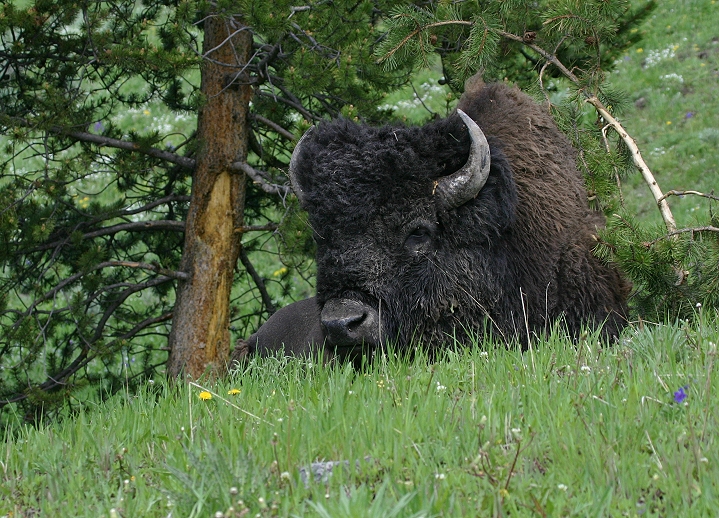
[{"x": 419, "y": 238}]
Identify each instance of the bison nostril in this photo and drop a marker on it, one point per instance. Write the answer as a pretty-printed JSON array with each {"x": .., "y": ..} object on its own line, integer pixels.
[
  {"x": 349, "y": 323},
  {"x": 343, "y": 326}
]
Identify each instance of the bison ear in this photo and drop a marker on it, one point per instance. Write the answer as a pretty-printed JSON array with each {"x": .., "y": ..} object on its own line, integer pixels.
[
  {"x": 458, "y": 188},
  {"x": 293, "y": 167}
]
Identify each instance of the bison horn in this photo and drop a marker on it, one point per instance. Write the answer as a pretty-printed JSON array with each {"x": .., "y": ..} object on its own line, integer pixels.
[
  {"x": 458, "y": 188},
  {"x": 293, "y": 167}
]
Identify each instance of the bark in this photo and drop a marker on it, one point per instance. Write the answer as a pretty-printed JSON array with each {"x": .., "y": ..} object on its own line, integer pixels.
[{"x": 200, "y": 336}]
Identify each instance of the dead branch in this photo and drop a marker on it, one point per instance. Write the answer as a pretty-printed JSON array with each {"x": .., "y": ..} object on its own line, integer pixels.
[
  {"x": 256, "y": 228},
  {"x": 684, "y": 193},
  {"x": 274, "y": 126},
  {"x": 258, "y": 280},
  {"x": 649, "y": 179},
  {"x": 258, "y": 178}
]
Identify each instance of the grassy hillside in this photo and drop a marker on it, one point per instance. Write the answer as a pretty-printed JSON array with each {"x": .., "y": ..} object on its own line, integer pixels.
[
  {"x": 559, "y": 431},
  {"x": 672, "y": 80}
]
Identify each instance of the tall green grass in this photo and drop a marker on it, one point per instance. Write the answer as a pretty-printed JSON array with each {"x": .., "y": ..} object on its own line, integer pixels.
[{"x": 560, "y": 430}]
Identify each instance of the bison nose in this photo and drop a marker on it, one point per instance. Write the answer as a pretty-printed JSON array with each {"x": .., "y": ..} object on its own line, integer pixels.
[{"x": 349, "y": 323}]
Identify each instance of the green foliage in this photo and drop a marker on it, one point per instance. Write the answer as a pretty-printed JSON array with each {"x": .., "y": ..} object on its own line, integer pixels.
[
  {"x": 469, "y": 36},
  {"x": 563, "y": 430},
  {"x": 672, "y": 275}
]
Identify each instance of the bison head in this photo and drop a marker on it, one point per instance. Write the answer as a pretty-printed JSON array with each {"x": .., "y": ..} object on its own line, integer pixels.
[{"x": 398, "y": 214}]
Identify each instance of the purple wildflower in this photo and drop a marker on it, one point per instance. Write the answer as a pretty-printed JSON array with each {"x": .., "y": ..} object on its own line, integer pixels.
[
  {"x": 680, "y": 395},
  {"x": 689, "y": 115},
  {"x": 99, "y": 127}
]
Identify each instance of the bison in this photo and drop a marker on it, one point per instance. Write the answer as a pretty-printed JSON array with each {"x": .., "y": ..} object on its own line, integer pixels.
[{"x": 478, "y": 222}]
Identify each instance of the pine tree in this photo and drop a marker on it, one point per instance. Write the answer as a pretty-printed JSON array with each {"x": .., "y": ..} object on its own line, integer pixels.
[
  {"x": 574, "y": 43},
  {"x": 106, "y": 220}
]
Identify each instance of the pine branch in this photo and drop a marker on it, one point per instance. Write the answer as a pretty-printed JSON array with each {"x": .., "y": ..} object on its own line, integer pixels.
[
  {"x": 167, "y": 275},
  {"x": 83, "y": 136},
  {"x": 692, "y": 230},
  {"x": 173, "y": 274},
  {"x": 417, "y": 31},
  {"x": 126, "y": 145},
  {"x": 257, "y": 228},
  {"x": 60, "y": 378},
  {"x": 154, "y": 225}
]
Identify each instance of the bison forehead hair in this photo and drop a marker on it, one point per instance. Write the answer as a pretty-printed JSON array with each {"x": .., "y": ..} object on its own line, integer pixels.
[
  {"x": 352, "y": 174},
  {"x": 424, "y": 231}
]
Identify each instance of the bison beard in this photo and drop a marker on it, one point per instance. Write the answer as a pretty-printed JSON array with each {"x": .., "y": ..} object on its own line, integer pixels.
[{"x": 427, "y": 233}]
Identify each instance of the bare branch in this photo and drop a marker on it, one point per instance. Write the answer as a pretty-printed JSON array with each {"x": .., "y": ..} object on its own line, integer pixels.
[
  {"x": 696, "y": 193},
  {"x": 257, "y": 178},
  {"x": 274, "y": 126},
  {"x": 649, "y": 179},
  {"x": 259, "y": 282},
  {"x": 257, "y": 228}
]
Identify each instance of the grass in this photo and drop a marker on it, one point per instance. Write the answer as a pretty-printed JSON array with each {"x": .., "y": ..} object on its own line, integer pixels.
[{"x": 560, "y": 430}]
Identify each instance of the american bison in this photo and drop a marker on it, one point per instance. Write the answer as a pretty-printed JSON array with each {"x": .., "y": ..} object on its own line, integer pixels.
[{"x": 478, "y": 222}]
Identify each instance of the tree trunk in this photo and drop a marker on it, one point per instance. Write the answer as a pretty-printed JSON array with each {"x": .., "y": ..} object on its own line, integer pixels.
[{"x": 200, "y": 336}]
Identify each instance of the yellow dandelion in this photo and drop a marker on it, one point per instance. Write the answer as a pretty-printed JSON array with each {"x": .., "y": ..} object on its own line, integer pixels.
[
  {"x": 146, "y": 112},
  {"x": 640, "y": 50},
  {"x": 668, "y": 123},
  {"x": 234, "y": 392},
  {"x": 204, "y": 395}
]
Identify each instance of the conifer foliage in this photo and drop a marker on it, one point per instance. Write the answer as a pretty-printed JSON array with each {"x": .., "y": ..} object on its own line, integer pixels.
[
  {"x": 565, "y": 46},
  {"x": 105, "y": 224}
]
